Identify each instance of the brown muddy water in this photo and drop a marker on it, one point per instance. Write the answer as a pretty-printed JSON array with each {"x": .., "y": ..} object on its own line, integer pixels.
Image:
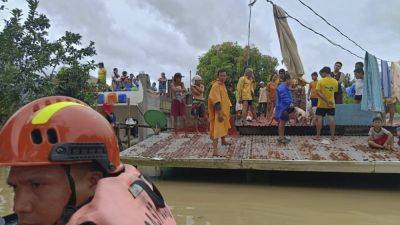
[{"x": 221, "y": 197}]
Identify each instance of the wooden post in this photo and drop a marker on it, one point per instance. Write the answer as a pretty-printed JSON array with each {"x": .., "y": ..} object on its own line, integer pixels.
[{"x": 129, "y": 127}]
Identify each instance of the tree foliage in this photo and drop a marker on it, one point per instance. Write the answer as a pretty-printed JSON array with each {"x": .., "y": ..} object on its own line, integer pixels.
[
  {"x": 232, "y": 57},
  {"x": 29, "y": 61}
]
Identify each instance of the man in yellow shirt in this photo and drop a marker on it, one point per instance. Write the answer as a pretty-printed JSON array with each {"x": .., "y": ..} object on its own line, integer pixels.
[
  {"x": 245, "y": 88},
  {"x": 102, "y": 75},
  {"x": 326, "y": 88},
  {"x": 219, "y": 107}
]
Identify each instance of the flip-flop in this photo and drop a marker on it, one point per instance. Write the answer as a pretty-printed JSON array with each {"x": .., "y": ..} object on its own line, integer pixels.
[{"x": 226, "y": 143}]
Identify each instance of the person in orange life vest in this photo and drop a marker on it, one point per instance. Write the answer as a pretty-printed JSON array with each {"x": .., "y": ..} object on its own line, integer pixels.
[{"x": 65, "y": 169}]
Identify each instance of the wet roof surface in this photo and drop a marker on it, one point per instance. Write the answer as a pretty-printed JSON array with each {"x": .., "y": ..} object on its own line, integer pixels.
[{"x": 198, "y": 146}]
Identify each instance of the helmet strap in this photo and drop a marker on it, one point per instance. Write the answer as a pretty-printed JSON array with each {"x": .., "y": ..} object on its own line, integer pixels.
[{"x": 70, "y": 208}]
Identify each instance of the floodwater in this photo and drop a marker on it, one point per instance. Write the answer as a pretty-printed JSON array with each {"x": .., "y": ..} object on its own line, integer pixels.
[{"x": 210, "y": 197}]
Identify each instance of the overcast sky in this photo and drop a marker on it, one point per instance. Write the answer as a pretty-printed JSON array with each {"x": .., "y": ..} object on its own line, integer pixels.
[{"x": 169, "y": 35}]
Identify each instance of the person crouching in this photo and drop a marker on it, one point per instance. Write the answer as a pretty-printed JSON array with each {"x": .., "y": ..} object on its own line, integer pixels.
[{"x": 379, "y": 137}]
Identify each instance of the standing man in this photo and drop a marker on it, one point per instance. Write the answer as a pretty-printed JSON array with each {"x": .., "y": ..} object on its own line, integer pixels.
[
  {"x": 245, "y": 88},
  {"x": 339, "y": 76},
  {"x": 219, "y": 107},
  {"x": 326, "y": 88},
  {"x": 116, "y": 80},
  {"x": 102, "y": 75}
]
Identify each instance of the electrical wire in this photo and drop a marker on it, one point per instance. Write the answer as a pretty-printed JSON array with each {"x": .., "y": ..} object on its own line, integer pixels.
[
  {"x": 334, "y": 27},
  {"x": 315, "y": 32}
]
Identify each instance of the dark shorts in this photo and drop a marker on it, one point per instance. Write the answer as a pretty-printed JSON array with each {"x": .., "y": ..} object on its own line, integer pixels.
[
  {"x": 178, "y": 108},
  {"x": 198, "y": 109},
  {"x": 314, "y": 102},
  {"x": 358, "y": 97},
  {"x": 249, "y": 102},
  {"x": 338, "y": 98},
  {"x": 262, "y": 107},
  {"x": 323, "y": 112}
]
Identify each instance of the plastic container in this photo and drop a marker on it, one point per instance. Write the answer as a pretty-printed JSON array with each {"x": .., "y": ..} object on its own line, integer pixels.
[
  {"x": 121, "y": 98},
  {"x": 112, "y": 98},
  {"x": 100, "y": 99}
]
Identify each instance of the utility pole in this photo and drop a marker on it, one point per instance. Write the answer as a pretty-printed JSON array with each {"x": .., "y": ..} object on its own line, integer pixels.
[{"x": 251, "y": 3}]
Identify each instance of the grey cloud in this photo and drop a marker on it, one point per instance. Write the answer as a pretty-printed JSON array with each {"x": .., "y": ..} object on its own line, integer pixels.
[{"x": 170, "y": 35}]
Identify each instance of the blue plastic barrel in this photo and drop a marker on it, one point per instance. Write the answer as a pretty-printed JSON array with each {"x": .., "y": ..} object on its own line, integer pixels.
[
  {"x": 121, "y": 98},
  {"x": 100, "y": 99}
]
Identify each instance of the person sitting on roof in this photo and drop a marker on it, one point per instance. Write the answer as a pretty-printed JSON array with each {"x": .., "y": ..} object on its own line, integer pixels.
[
  {"x": 379, "y": 137},
  {"x": 66, "y": 169}
]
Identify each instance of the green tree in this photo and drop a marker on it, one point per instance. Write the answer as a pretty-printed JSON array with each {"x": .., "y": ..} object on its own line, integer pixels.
[
  {"x": 29, "y": 61},
  {"x": 232, "y": 57}
]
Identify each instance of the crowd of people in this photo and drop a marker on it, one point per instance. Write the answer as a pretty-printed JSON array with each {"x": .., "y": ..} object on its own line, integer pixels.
[
  {"x": 283, "y": 99},
  {"x": 119, "y": 82}
]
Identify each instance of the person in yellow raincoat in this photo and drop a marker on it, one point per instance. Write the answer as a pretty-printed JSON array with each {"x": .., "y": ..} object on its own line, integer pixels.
[
  {"x": 245, "y": 88},
  {"x": 219, "y": 111}
]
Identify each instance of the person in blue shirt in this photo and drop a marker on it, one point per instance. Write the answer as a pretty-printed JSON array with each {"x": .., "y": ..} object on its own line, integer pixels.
[{"x": 283, "y": 106}]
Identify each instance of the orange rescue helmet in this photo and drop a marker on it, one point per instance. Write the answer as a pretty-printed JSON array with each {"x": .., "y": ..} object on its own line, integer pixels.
[{"x": 59, "y": 130}]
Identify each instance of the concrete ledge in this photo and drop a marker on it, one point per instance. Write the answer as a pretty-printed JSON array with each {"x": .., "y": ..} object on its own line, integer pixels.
[{"x": 272, "y": 165}]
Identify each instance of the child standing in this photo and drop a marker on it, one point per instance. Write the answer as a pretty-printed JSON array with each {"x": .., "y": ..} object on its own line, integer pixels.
[
  {"x": 271, "y": 87},
  {"x": 283, "y": 107},
  {"x": 379, "y": 137},
  {"x": 198, "y": 106},
  {"x": 359, "y": 85},
  {"x": 312, "y": 90},
  {"x": 262, "y": 100}
]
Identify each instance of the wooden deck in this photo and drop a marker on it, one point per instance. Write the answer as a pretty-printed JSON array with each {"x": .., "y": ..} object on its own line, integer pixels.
[{"x": 347, "y": 154}]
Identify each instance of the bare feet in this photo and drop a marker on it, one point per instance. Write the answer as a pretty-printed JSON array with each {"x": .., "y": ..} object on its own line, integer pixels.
[
  {"x": 317, "y": 138},
  {"x": 225, "y": 143}
]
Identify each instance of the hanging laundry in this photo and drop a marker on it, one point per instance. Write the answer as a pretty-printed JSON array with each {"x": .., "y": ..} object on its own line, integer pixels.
[
  {"x": 386, "y": 79},
  {"x": 395, "y": 72},
  {"x": 372, "y": 93},
  {"x": 290, "y": 54}
]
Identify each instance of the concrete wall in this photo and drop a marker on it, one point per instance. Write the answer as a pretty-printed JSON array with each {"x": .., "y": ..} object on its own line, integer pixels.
[
  {"x": 351, "y": 114},
  {"x": 151, "y": 100}
]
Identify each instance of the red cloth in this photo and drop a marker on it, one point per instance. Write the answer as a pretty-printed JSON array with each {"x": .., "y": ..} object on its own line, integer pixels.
[
  {"x": 107, "y": 108},
  {"x": 381, "y": 140},
  {"x": 178, "y": 108}
]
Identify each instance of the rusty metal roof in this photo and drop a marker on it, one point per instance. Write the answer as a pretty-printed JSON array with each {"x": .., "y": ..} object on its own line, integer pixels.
[{"x": 347, "y": 154}]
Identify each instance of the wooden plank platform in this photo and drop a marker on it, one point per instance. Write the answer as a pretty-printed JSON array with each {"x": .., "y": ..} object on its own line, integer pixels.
[{"x": 347, "y": 154}]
